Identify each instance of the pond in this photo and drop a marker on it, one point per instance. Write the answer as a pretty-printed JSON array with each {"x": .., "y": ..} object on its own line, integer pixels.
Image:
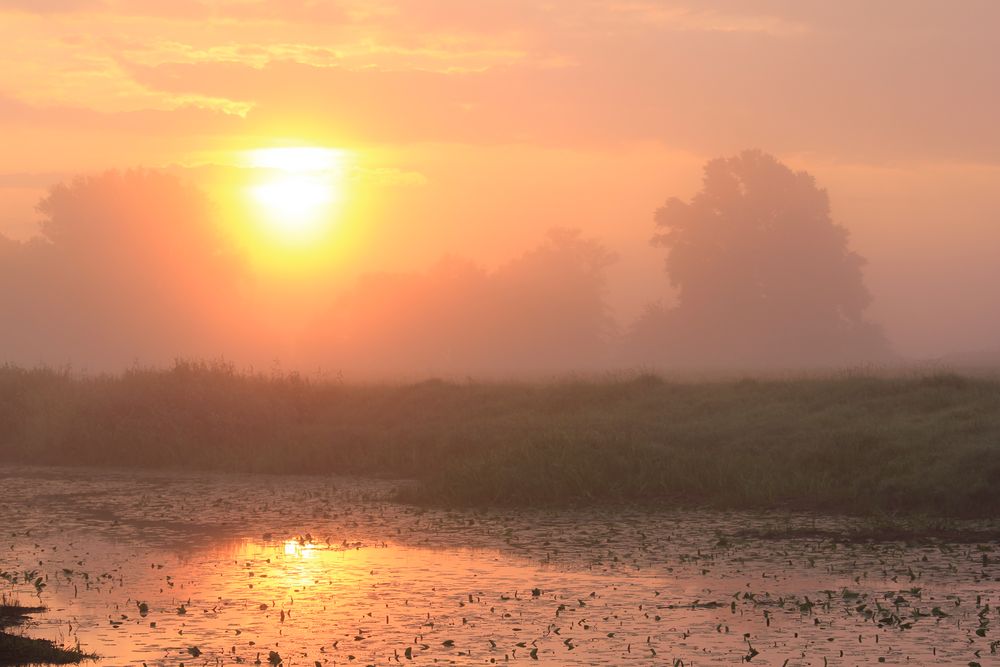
[{"x": 208, "y": 569}]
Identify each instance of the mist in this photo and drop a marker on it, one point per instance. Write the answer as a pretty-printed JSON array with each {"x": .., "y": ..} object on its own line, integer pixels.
[
  {"x": 392, "y": 331},
  {"x": 138, "y": 268},
  {"x": 476, "y": 130}
]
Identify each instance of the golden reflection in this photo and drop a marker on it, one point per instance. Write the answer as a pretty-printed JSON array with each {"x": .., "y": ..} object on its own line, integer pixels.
[{"x": 299, "y": 549}]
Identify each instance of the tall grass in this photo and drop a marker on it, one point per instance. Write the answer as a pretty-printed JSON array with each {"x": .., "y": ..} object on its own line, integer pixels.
[{"x": 855, "y": 442}]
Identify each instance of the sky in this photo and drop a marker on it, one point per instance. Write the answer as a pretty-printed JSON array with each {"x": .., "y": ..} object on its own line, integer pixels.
[{"x": 471, "y": 127}]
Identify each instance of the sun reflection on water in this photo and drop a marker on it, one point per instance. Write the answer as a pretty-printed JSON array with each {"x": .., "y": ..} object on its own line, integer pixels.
[
  {"x": 565, "y": 589},
  {"x": 299, "y": 549}
]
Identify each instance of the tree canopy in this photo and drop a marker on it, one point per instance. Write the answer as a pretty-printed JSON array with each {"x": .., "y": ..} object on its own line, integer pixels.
[
  {"x": 128, "y": 265},
  {"x": 762, "y": 273},
  {"x": 544, "y": 311}
]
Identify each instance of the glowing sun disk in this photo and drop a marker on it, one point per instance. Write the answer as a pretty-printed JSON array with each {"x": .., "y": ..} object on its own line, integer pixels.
[
  {"x": 300, "y": 158},
  {"x": 296, "y": 190},
  {"x": 294, "y": 196}
]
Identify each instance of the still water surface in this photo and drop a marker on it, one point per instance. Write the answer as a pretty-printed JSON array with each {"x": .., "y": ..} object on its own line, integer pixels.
[{"x": 204, "y": 569}]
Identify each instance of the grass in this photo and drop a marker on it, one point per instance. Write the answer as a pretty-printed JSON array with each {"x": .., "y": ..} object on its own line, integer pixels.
[
  {"x": 20, "y": 650},
  {"x": 858, "y": 443},
  {"x": 16, "y": 649},
  {"x": 12, "y": 613}
]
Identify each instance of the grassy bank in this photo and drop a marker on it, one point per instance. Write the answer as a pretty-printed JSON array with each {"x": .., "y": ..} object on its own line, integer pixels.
[
  {"x": 19, "y": 650},
  {"x": 16, "y": 649},
  {"x": 855, "y": 443}
]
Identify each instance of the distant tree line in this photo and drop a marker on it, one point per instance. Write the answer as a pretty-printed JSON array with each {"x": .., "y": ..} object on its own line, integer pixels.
[{"x": 133, "y": 266}]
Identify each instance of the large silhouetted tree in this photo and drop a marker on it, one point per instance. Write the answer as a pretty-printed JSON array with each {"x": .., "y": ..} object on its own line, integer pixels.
[
  {"x": 762, "y": 273},
  {"x": 127, "y": 266}
]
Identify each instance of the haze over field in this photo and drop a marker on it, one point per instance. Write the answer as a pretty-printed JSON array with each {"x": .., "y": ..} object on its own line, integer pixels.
[
  {"x": 478, "y": 331},
  {"x": 450, "y": 187}
]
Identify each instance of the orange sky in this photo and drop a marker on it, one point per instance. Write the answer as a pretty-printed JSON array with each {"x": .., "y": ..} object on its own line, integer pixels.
[{"x": 475, "y": 125}]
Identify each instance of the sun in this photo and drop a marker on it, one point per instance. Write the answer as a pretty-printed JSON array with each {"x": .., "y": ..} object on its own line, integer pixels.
[{"x": 296, "y": 190}]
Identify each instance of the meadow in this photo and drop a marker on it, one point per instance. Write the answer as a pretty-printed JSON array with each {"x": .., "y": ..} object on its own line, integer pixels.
[{"x": 919, "y": 443}]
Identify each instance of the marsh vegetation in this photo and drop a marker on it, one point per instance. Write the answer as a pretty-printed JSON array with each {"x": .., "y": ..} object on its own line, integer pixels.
[{"x": 856, "y": 442}]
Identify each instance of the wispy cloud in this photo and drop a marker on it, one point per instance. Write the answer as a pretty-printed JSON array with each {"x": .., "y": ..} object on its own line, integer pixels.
[{"x": 865, "y": 82}]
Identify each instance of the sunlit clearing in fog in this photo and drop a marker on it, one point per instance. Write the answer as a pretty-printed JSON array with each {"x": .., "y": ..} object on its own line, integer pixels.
[{"x": 297, "y": 193}]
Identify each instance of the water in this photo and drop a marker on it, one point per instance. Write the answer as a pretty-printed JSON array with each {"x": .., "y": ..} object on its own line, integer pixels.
[{"x": 229, "y": 568}]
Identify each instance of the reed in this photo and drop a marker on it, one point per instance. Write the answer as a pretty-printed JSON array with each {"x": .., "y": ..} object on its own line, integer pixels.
[{"x": 853, "y": 442}]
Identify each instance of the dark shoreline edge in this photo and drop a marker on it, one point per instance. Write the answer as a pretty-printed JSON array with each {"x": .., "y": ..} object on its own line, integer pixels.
[{"x": 17, "y": 649}]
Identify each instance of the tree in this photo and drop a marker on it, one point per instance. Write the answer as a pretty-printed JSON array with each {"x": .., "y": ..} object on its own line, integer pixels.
[
  {"x": 139, "y": 222},
  {"x": 127, "y": 266},
  {"x": 542, "y": 312},
  {"x": 763, "y": 275},
  {"x": 549, "y": 308}
]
